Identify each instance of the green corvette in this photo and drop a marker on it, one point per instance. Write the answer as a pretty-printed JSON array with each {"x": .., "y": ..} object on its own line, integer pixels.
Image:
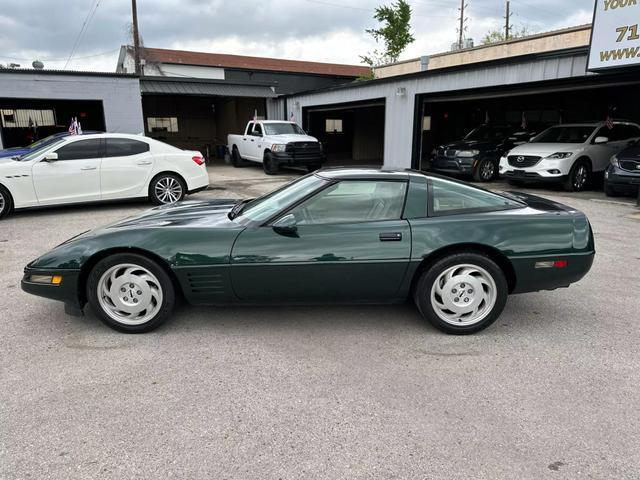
[{"x": 336, "y": 236}]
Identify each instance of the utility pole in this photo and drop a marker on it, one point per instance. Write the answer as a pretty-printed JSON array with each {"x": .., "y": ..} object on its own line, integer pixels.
[
  {"x": 462, "y": 27},
  {"x": 507, "y": 26},
  {"x": 136, "y": 37}
]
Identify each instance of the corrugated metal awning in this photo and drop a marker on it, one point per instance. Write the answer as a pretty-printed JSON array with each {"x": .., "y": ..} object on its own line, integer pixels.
[{"x": 159, "y": 87}]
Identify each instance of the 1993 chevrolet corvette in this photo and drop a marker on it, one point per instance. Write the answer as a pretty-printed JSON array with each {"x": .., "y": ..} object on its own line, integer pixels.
[{"x": 349, "y": 235}]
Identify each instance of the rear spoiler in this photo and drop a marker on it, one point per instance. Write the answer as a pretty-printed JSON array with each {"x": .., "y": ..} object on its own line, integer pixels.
[{"x": 539, "y": 203}]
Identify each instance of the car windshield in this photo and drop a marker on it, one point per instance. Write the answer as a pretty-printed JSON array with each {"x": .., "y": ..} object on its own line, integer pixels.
[
  {"x": 282, "y": 129},
  {"x": 488, "y": 132},
  {"x": 575, "y": 134},
  {"x": 31, "y": 155},
  {"x": 43, "y": 142},
  {"x": 265, "y": 207}
]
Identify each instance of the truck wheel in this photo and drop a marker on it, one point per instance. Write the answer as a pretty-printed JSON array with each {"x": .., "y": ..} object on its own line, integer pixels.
[
  {"x": 485, "y": 171},
  {"x": 270, "y": 166},
  {"x": 236, "y": 159}
]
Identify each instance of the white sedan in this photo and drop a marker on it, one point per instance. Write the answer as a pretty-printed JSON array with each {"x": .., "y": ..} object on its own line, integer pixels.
[{"x": 100, "y": 167}]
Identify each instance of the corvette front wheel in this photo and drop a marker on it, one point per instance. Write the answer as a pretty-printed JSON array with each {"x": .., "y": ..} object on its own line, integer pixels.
[
  {"x": 462, "y": 293},
  {"x": 130, "y": 293}
]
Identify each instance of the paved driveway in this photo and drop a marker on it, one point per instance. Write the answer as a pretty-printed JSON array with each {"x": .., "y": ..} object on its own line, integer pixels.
[{"x": 550, "y": 391}]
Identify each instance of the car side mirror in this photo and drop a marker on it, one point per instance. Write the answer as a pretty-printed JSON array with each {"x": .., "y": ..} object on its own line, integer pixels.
[
  {"x": 51, "y": 157},
  {"x": 287, "y": 226},
  {"x": 601, "y": 140}
]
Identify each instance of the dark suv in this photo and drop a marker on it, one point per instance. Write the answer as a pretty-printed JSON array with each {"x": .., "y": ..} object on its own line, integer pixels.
[
  {"x": 623, "y": 173},
  {"x": 478, "y": 153}
]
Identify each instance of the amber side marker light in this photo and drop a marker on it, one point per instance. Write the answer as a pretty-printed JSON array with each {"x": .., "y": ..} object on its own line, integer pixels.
[
  {"x": 47, "y": 279},
  {"x": 553, "y": 264}
]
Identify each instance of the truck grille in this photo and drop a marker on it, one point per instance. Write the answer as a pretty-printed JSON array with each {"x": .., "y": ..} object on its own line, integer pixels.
[
  {"x": 523, "y": 161},
  {"x": 303, "y": 149},
  {"x": 630, "y": 165}
]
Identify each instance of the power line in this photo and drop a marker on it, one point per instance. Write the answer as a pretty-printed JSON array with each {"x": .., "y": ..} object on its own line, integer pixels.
[{"x": 83, "y": 29}]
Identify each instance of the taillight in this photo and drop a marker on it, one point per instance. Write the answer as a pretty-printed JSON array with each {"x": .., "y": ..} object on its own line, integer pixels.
[
  {"x": 198, "y": 160},
  {"x": 553, "y": 264}
]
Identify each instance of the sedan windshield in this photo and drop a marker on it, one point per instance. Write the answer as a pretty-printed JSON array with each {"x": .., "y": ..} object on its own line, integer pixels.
[
  {"x": 489, "y": 132},
  {"x": 283, "y": 129},
  {"x": 265, "y": 207},
  {"x": 30, "y": 156},
  {"x": 564, "y": 135}
]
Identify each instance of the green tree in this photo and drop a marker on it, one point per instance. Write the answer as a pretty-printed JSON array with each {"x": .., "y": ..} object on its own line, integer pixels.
[
  {"x": 395, "y": 33},
  {"x": 495, "y": 36}
]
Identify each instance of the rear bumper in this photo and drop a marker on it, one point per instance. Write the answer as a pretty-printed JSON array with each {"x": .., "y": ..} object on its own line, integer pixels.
[
  {"x": 67, "y": 292},
  {"x": 532, "y": 279}
]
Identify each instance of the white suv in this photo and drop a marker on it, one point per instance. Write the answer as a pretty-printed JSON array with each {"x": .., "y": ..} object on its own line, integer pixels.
[{"x": 568, "y": 153}]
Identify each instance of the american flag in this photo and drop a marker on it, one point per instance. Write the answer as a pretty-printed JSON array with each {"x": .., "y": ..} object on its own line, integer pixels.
[
  {"x": 292, "y": 118},
  {"x": 73, "y": 128},
  {"x": 609, "y": 122}
]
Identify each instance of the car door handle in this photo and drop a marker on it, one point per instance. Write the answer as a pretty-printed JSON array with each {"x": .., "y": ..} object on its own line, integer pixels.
[
  {"x": 144, "y": 163},
  {"x": 391, "y": 237},
  {"x": 89, "y": 168}
]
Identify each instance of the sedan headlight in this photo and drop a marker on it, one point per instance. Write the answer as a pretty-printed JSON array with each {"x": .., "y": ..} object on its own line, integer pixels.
[
  {"x": 278, "y": 147},
  {"x": 467, "y": 153},
  {"x": 614, "y": 161},
  {"x": 560, "y": 155}
]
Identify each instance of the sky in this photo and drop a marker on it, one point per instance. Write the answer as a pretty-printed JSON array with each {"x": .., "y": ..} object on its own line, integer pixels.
[{"x": 315, "y": 30}]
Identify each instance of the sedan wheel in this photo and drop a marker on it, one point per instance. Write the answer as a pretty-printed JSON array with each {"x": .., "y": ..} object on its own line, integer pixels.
[
  {"x": 5, "y": 202},
  {"x": 462, "y": 293},
  {"x": 130, "y": 293},
  {"x": 167, "y": 189}
]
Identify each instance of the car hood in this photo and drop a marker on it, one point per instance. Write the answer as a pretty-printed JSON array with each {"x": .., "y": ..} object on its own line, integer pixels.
[
  {"x": 292, "y": 138},
  {"x": 470, "y": 144},
  {"x": 544, "y": 149}
]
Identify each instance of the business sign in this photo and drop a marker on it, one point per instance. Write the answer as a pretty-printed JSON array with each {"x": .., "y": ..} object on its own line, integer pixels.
[{"x": 615, "y": 38}]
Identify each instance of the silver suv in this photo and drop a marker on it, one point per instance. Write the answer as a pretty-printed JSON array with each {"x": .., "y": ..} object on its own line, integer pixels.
[{"x": 568, "y": 153}]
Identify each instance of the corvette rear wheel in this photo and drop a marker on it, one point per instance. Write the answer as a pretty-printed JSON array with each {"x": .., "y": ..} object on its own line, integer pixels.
[
  {"x": 6, "y": 204},
  {"x": 130, "y": 293},
  {"x": 462, "y": 293},
  {"x": 167, "y": 188}
]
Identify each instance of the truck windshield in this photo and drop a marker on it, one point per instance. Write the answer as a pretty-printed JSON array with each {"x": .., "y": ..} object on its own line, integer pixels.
[
  {"x": 282, "y": 129},
  {"x": 564, "y": 135},
  {"x": 265, "y": 207}
]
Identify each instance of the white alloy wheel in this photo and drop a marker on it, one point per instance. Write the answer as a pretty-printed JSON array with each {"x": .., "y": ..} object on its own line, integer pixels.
[
  {"x": 129, "y": 294},
  {"x": 463, "y": 295},
  {"x": 168, "y": 190}
]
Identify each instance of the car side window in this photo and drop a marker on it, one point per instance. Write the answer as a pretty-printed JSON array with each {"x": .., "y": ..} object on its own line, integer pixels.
[
  {"x": 353, "y": 201},
  {"x": 450, "y": 198},
  {"x": 258, "y": 128},
  {"x": 629, "y": 132},
  {"x": 124, "y": 147},
  {"x": 80, "y": 150},
  {"x": 249, "y": 128}
]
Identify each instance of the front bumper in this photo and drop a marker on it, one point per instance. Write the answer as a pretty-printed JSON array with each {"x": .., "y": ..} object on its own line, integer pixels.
[
  {"x": 546, "y": 170},
  {"x": 68, "y": 291},
  {"x": 297, "y": 160},
  {"x": 622, "y": 180},
  {"x": 455, "y": 165}
]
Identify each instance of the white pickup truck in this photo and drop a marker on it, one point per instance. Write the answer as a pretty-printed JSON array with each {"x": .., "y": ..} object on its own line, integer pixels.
[{"x": 275, "y": 144}]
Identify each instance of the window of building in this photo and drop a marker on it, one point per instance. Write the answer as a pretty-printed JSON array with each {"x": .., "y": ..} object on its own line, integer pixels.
[
  {"x": 333, "y": 125},
  {"x": 124, "y": 147},
  {"x": 162, "y": 124},
  {"x": 24, "y": 118}
]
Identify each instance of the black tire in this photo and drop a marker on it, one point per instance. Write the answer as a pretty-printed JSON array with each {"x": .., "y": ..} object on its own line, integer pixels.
[
  {"x": 609, "y": 191},
  {"x": 167, "y": 188},
  {"x": 270, "y": 166},
  {"x": 6, "y": 202},
  {"x": 579, "y": 178},
  {"x": 164, "y": 285},
  {"x": 488, "y": 309},
  {"x": 485, "y": 171},
  {"x": 313, "y": 168},
  {"x": 236, "y": 159}
]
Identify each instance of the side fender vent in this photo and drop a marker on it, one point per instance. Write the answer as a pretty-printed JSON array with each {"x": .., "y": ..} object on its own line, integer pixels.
[{"x": 206, "y": 283}]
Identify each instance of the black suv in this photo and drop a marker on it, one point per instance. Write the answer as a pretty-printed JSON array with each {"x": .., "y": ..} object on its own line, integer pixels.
[
  {"x": 478, "y": 153},
  {"x": 623, "y": 173}
]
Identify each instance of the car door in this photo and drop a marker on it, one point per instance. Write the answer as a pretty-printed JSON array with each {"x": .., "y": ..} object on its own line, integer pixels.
[
  {"x": 73, "y": 177},
  {"x": 257, "y": 140},
  {"x": 349, "y": 244},
  {"x": 126, "y": 168},
  {"x": 248, "y": 142}
]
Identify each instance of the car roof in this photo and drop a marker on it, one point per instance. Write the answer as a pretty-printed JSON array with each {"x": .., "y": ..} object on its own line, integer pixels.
[
  {"x": 361, "y": 173},
  {"x": 107, "y": 135}
]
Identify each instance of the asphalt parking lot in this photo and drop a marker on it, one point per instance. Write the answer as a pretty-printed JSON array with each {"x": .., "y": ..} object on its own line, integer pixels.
[{"x": 549, "y": 391}]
